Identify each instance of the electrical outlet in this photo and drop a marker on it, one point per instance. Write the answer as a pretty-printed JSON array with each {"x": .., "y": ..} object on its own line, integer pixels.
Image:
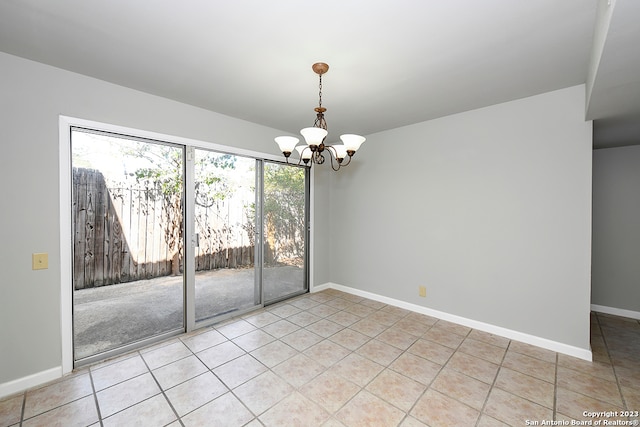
[
  {"x": 40, "y": 261},
  {"x": 422, "y": 291}
]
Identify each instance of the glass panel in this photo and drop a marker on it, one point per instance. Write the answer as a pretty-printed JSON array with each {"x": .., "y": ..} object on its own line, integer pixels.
[
  {"x": 225, "y": 279},
  {"x": 284, "y": 231},
  {"x": 127, "y": 212}
]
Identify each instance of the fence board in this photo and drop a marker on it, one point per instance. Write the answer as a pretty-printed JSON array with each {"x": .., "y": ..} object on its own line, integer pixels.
[
  {"x": 99, "y": 231},
  {"x": 89, "y": 235},
  {"x": 79, "y": 219},
  {"x": 141, "y": 234},
  {"x": 162, "y": 245},
  {"x": 115, "y": 251},
  {"x": 121, "y": 234},
  {"x": 125, "y": 225},
  {"x": 108, "y": 241},
  {"x": 149, "y": 236}
]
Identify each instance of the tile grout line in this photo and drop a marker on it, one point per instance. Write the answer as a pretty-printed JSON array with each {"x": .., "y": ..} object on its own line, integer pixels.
[
  {"x": 246, "y": 353},
  {"x": 442, "y": 366},
  {"x": 351, "y": 352},
  {"x": 160, "y": 387},
  {"x": 354, "y": 351},
  {"x": 24, "y": 404},
  {"x": 212, "y": 373},
  {"x": 493, "y": 383},
  {"x": 95, "y": 398},
  {"x": 555, "y": 390},
  {"x": 363, "y": 388},
  {"x": 270, "y": 369},
  {"x": 613, "y": 365},
  {"x": 52, "y": 383},
  {"x": 327, "y": 368},
  {"x": 229, "y": 389},
  {"x": 439, "y": 370}
]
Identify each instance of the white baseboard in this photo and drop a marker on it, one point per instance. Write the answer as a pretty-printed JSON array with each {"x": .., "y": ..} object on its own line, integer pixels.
[
  {"x": 322, "y": 287},
  {"x": 485, "y": 327},
  {"x": 616, "y": 311},
  {"x": 24, "y": 383}
]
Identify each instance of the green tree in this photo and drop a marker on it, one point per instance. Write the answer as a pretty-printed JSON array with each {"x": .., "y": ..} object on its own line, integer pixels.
[
  {"x": 284, "y": 207},
  {"x": 164, "y": 178}
]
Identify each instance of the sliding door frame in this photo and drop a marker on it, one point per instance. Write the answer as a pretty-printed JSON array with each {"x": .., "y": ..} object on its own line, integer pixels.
[{"x": 66, "y": 123}]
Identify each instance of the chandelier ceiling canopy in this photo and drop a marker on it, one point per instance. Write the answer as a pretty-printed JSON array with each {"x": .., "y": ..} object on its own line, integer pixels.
[{"x": 314, "y": 149}]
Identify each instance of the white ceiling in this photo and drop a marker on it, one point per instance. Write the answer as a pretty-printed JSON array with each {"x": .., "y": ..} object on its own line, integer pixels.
[{"x": 392, "y": 63}]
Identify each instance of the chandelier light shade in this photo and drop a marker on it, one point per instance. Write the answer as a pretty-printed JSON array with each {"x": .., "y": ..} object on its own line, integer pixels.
[
  {"x": 314, "y": 137},
  {"x": 304, "y": 153},
  {"x": 352, "y": 142},
  {"x": 286, "y": 144}
]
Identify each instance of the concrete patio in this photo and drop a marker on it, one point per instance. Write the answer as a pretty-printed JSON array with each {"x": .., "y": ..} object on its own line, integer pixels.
[{"x": 108, "y": 317}]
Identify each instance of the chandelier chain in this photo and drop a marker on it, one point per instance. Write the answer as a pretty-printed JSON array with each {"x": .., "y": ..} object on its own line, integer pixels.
[{"x": 320, "y": 92}]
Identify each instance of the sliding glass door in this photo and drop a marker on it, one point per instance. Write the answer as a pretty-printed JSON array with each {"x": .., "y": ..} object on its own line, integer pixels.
[
  {"x": 168, "y": 237},
  {"x": 226, "y": 279},
  {"x": 127, "y": 216},
  {"x": 285, "y": 227}
]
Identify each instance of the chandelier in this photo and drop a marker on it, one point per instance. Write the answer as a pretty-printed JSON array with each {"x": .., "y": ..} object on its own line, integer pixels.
[{"x": 315, "y": 148}]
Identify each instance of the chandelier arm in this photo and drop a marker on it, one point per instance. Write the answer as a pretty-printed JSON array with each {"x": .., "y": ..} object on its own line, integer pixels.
[
  {"x": 343, "y": 164},
  {"x": 333, "y": 153},
  {"x": 291, "y": 163},
  {"x": 334, "y": 168},
  {"x": 318, "y": 158},
  {"x": 331, "y": 149},
  {"x": 308, "y": 161}
]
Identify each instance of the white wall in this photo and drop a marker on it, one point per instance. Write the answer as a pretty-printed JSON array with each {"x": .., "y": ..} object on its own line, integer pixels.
[
  {"x": 489, "y": 209},
  {"x": 33, "y": 97},
  {"x": 616, "y": 228}
]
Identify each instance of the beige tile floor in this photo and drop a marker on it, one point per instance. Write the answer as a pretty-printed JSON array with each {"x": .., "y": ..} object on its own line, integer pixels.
[{"x": 334, "y": 359}]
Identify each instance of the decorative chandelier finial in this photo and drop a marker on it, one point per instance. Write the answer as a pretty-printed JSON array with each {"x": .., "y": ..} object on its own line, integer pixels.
[{"x": 314, "y": 137}]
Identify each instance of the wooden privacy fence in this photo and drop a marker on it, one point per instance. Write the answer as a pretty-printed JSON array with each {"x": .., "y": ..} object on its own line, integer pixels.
[{"x": 124, "y": 233}]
